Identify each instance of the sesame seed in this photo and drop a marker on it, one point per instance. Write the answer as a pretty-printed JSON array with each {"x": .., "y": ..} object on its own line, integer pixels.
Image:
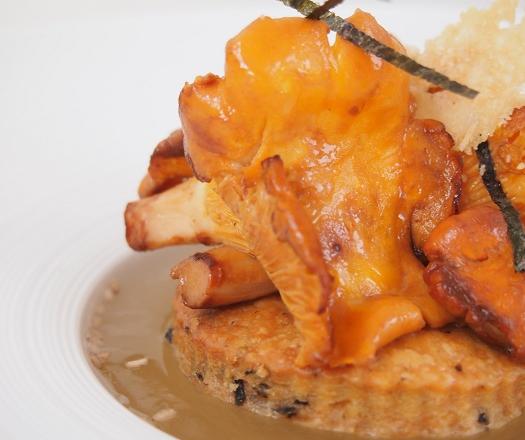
[
  {"x": 520, "y": 166},
  {"x": 164, "y": 415},
  {"x": 482, "y": 170},
  {"x": 262, "y": 372},
  {"x": 114, "y": 286},
  {"x": 137, "y": 363},
  {"x": 99, "y": 359},
  {"x": 109, "y": 294}
]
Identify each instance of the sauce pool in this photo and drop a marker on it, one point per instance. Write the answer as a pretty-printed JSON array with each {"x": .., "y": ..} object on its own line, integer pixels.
[{"x": 125, "y": 340}]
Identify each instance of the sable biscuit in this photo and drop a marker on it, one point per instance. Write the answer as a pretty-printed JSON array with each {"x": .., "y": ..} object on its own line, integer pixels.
[{"x": 431, "y": 383}]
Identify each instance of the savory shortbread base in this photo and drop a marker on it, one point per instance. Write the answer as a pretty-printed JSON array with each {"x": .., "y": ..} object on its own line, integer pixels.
[{"x": 433, "y": 383}]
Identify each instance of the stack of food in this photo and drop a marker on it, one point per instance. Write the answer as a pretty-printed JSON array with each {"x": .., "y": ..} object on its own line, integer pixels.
[{"x": 368, "y": 255}]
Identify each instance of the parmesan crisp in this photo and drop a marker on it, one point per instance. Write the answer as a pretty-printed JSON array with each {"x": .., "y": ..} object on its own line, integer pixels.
[{"x": 486, "y": 51}]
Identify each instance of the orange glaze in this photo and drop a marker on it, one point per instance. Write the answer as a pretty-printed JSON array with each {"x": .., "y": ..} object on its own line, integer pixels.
[
  {"x": 471, "y": 273},
  {"x": 471, "y": 270},
  {"x": 363, "y": 179},
  {"x": 361, "y": 327}
]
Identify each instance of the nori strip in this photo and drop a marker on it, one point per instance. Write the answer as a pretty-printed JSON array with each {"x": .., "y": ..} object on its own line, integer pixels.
[
  {"x": 350, "y": 33},
  {"x": 498, "y": 196},
  {"x": 324, "y": 8}
]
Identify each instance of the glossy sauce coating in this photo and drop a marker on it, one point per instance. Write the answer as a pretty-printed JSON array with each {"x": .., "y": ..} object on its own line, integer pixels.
[
  {"x": 341, "y": 122},
  {"x": 471, "y": 273}
]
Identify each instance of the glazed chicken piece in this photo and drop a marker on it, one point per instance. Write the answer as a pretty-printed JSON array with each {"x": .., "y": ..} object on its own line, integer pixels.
[{"x": 315, "y": 150}]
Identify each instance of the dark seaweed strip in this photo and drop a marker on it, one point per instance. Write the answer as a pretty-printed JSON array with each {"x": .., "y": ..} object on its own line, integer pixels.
[
  {"x": 498, "y": 196},
  {"x": 324, "y": 8},
  {"x": 371, "y": 45}
]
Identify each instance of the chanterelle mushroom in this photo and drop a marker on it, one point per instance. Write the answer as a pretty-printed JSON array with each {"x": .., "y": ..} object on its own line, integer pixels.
[{"x": 315, "y": 149}]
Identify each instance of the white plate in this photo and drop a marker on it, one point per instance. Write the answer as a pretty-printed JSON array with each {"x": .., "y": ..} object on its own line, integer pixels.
[{"x": 86, "y": 90}]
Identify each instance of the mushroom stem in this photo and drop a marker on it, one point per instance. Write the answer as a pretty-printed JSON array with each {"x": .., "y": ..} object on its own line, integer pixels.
[
  {"x": 187, "y": 213},
  {"x": 220, "y": 277}
]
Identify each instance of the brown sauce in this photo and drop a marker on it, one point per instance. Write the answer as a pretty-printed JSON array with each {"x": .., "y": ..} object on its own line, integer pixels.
[{"x": 130, "y": 324}]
